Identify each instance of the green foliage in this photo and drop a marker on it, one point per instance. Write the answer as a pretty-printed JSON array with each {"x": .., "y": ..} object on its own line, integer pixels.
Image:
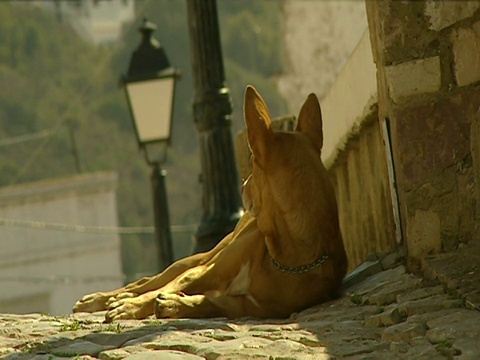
[
  {"x": 356, "y": 299},
  {"x": 34, "y": 347},
  {"x": 75, "y": 324},
  {"x": 116, "y": 328},
  {"x": 51, "y": 80},
  {"x": 444, "y": 347}
]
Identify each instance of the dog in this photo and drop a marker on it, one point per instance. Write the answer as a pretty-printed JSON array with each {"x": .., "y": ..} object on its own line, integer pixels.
[{"x": 285, "y": 254}]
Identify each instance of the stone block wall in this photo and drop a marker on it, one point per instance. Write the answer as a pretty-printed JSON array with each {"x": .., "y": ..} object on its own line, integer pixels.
[{"x": 427, "y": 55}]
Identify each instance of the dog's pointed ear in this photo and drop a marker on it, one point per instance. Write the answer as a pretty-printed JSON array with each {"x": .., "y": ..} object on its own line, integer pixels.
[
  {"x": 310, "y": 120},
  {"x": 258, "y": 121}
]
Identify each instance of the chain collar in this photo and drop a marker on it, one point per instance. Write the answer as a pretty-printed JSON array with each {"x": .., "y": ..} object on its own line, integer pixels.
[{"x": 299, "y": 269}]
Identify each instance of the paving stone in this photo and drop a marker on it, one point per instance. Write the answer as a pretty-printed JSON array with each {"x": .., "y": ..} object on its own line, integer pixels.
[
  {"x": 24, "y": 318},
  {"x": 356, "y": 347},
  {"x": 218, "y": 334},
  {"x": 5, "y": 350},
  {"x": 120, "y": 353},
  {"x": 214, "y": 348},
  {"x": 80, "y": 348},
  {"x": 472, "y": 300},
  {"x": 316, "y": 356},
  {"x": 288, "y": 348},
  {"x": 170, "y": 340},
  {"x": 377, "y": 281},
  {"x": 273, "y": 327},
  {"x": 403, "y": 332},
  {"x": 6, "y": 341},
  {"x": 421, "y": 293},
  {"x": 388, "y": 294},
  {"x": 388, "y": 317},
  {"x": 338, "y": 329},
  {"x": 434, "y": 303},
  {"x": 113, "y": 354},
  {"x": 377, "y": 355},
  {"x": 19, "y": 356},
  {"x": 319, "y": 327},
  {"x": 461, "y": 324},
  {"x": 53, "y": 357},
  {"x": 301, "y": 336},
  {"x": 420, "y": 348},
  {"x": 427, "y": 352},
  {"x": 399, "y": 347},
  {"x": 163, "y": 355},
  {"x": 197, "y": 324},
  {"x": 346, "y": 311},
  {"x": 113, "y": 338},
  {"x": 469, "y": 348}
]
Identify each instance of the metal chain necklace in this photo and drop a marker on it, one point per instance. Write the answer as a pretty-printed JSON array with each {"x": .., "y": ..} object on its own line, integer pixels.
[{"x": 299, "y": 269}]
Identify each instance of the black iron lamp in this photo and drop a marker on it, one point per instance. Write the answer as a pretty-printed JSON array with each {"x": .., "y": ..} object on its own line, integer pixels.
[{"x": 150, "y": 89}]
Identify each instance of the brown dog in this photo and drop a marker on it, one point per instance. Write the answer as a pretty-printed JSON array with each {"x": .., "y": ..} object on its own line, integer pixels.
[{"x": 285, "y": 254}]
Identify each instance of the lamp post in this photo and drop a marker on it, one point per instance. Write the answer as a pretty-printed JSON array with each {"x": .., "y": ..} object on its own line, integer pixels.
[
  {"x": 221, "y": 203},
  {"x": 150, "y": 87}
]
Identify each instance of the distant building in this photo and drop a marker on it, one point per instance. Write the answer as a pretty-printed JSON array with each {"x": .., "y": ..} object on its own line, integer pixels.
[
  {"x": 97, "y": 21},
  {"x": 52, "y": 251}
]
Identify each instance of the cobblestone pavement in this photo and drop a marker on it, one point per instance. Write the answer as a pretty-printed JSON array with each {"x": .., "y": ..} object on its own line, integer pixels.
[{"x": 389, "y": 315}]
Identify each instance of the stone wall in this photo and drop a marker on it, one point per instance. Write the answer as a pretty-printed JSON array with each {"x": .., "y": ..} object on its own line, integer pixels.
[
  {"x": 428, "y": 68},
  {"x": 51, "y": 254}
]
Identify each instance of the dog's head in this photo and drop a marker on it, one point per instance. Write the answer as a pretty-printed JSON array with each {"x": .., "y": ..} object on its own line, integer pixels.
[{"x": 289, "y": 185}]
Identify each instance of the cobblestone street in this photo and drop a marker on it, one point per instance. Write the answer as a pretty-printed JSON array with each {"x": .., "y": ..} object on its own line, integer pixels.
[{"x": 389, "y": 315}]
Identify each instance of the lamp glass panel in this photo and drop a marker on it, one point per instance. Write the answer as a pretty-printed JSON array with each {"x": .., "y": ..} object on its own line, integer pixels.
[{"x": 151, "y": 102}]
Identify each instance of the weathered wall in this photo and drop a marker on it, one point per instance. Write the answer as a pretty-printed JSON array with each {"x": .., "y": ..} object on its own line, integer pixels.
[
  {"x": 319, "y": 37},
  {"x": 363, "y": 194},
  {"x": 428, "y": 67},
  {"x": 349, "y": 100},
  {"x": 45, "y": 268},
  {"x": 354, "y": 153}
]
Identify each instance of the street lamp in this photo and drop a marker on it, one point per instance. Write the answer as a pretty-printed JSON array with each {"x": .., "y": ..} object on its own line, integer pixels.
[
  {"x": 150, "y": 87},
  {"x": 212, "y": 109}
]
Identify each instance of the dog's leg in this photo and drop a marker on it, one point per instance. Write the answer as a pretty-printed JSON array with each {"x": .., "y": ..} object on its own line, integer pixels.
[
  {"x": 111, "y": 300},
  {"x": 141, "y": 306},
  {"x": 138, "y": 307},
  {"x": 210, "y": 304},
  {"x": 104, "y": 300}
]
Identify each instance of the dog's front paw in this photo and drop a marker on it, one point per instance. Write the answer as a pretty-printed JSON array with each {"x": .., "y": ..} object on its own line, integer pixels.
[
  {"x": 167, "y": 305},
  {"x": 126, "y": 307},
  {"x": 92, "y": 303},
  {"x": 123, "y": 295}
]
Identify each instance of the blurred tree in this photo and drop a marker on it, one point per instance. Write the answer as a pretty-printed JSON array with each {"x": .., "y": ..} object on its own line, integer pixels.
[{"x": 49, "y": 76}]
